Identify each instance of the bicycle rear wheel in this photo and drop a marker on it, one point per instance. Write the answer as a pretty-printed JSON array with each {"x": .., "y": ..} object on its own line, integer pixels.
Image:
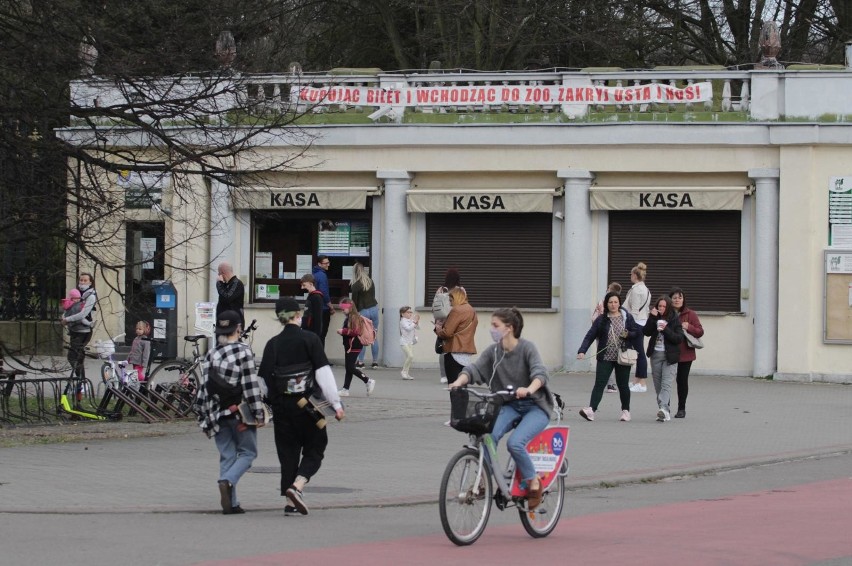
[
  {"x": 176, "y": 378},
  {"x": 541, "y": 521},
  {"x": 465, "y": 511}
]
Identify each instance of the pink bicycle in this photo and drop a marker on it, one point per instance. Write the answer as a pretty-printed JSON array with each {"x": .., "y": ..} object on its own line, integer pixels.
[{"x": 467, "y": 487}]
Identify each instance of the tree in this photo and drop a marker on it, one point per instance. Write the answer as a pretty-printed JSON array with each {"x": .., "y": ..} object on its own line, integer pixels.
[{"x": 44, "y": 175}]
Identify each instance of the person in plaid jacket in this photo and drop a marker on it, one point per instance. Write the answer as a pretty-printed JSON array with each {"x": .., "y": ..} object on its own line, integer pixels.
[{"x": 229, "y": 377}]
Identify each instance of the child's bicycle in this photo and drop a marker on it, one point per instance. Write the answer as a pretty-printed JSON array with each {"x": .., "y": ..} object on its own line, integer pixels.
[
  {"x": 466, "y": 487},
  {"x": 114, "y": 373}
]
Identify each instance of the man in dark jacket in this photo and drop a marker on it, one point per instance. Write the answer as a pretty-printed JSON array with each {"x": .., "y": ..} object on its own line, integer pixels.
[
  {"x": 231, "y": 292},
  {"x": 321, "y": 280},
  {"x": 312, "y": 319}
]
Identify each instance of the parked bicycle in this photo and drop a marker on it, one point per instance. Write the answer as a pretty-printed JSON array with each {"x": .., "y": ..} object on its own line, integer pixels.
[
  {"x": 180, "y": 377},
  {"x": 467, "y": 487},
  {"x": 114, "y": 373}
]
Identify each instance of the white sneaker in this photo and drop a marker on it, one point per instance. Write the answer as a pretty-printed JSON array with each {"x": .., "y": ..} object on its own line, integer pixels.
[
  {"x": 587, "y": 413},
  {"x": 343, "y": 393},
  {"x": 443, "y": 380},
  {"x": 638, "y": 388},
  {"x": 406, "y": 376},
  {"x": 663, "y": 416},
  {"x": 371, "y": 384},
  {"x": 625, "y": 416}
]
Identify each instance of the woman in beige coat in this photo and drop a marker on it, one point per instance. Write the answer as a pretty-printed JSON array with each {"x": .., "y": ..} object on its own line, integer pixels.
[{"x": 458, "y": 333}]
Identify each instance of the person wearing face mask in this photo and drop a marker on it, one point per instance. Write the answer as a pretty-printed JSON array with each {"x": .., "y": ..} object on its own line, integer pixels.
[
  {"x": 80, "y": 324},
  {"x": 514, "y": 362},
  {"x": 295, "y": 367}
]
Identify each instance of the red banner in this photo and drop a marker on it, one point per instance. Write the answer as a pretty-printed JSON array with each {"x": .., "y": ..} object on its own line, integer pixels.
[{"x": 497, "y": 95}]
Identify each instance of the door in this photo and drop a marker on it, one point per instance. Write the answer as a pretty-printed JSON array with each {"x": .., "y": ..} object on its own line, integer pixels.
[{"x": 145, "y": 264}]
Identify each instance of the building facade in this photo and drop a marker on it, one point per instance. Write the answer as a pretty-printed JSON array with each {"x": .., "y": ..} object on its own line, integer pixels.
[{"x": 541, "y": 189}]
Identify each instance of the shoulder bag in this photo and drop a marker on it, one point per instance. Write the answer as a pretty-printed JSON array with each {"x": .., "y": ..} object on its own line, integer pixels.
[{"x": 693, "y": 341}]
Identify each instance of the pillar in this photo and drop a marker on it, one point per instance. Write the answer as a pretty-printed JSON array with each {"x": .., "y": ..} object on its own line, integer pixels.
[
  {"x": 577, "y": 266},
  {"x": 222, "y": 232},
  {"x": 393, "y": 278},
  {"x": 765, "y": 295}
]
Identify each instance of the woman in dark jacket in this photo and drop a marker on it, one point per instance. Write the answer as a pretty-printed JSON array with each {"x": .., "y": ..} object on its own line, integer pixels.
[
  {"x": 613, "y": 330},
  {"x": 666, "y": 334},
  {"x": 690, "y": 322}
]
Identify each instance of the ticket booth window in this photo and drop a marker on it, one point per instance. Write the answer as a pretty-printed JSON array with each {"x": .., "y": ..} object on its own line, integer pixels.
[{"x": 286, "y": 244}]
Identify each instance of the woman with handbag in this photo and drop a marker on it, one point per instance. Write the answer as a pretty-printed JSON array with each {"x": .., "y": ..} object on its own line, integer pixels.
[
  {"x": 692, "y": 325},
  {"x": 613, "y": 332},
  {"x": 458, "y": 333},
  {"x": 664, "y": 352}
]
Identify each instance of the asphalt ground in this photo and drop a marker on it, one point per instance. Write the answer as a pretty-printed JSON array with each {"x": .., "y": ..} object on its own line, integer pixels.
[{"x": 392, "y": 448}]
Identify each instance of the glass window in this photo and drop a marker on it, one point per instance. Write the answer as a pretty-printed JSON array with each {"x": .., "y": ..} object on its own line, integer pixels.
[{"x": 286, "y": 245}]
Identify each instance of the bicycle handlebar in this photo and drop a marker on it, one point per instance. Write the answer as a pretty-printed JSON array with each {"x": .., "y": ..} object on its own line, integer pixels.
[{"x": 252, "y": 326}]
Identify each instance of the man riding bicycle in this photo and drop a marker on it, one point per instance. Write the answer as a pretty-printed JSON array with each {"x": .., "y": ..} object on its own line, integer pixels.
[{"x": 514, "y": 363}]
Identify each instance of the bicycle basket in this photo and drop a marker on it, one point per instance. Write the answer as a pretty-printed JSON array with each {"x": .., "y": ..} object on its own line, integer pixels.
[
  {"x": 471, "y": 414},
  {"x": 105, "y": 348}
]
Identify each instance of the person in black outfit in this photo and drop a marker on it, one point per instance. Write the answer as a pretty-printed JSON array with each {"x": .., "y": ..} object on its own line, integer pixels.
[
  {"x": 295, "y": 367},
  {"x": 312, "y": 320},
  {"x": 231, "y": 291}
]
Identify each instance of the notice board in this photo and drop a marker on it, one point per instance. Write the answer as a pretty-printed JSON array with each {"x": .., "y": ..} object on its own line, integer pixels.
[{"x": 838, "y": 297}]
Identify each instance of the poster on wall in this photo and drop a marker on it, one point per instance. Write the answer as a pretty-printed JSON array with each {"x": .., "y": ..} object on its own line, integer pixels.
[
  {"x": 263, "y": 265},
  {"x": 840, "y": 212},
  {"x": 837, "y": 310},
  {"x": 344, "y": 238},
  {"x": 147, "y": 248}
]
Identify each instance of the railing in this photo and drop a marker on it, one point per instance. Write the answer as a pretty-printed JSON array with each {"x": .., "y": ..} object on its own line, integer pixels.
[{"x": 677, "y": 94}]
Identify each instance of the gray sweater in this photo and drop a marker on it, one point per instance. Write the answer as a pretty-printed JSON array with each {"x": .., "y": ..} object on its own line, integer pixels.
[{"x": 516, "y": 368}]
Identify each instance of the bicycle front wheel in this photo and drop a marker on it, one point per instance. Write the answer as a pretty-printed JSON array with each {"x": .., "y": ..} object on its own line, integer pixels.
[
  {"x": 465, "y": 498},
  {"x": 541, "y": 521}
]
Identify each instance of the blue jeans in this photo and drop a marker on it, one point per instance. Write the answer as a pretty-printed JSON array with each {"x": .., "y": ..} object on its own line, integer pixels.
[
  {"x": 237, "y": 450},
  {"x": 373, "y": 314},
  {"x": 533, "y": 420}
]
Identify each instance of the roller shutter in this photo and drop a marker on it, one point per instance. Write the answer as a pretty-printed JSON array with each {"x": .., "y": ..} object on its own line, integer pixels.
[
  {"x": 504, "y": 259},
  {"x": 698, "y": 251}
]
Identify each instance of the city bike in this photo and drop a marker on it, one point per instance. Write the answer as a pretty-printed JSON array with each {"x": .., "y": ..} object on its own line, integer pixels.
[
  {"x": 179, "y": 378},
  {"x": 468, "y": 484}
]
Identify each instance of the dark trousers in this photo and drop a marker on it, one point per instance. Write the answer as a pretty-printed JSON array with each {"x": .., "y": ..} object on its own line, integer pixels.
[
  {"x": 453, "y": 368},
  {"x": 351, "y": 358},
  {"x": 682, "y": 381},
  {"x": 326, "y": 320},
  {"x": 638, "y": 343},
  {"x": 298, "y": 441},
  {"x": 622, "y": 377},
  {"x": 77, "y": 352}
]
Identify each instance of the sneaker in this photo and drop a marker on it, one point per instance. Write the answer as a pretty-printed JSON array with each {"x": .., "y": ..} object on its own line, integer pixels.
[
  {"x": 371, "y": 384},
  {"x": 587, "y": 413},
  {"x": 235, "y": 511},
  {"x": 375, "y": 365},
  {"x": 638, "y": 388},
  {"x": 359, "y": 364},
  {"x": 289, "y": 510},
  {"x": 295, "y": 497},
  {"x": 625, "y": 416},
  {"x": 663, "y": 416},
  {"x": 406, "y": 376},
  {"x": 443, "y": 380},
  {"x": 343, "y": 393},
  {"x": 611, "y": 388}
]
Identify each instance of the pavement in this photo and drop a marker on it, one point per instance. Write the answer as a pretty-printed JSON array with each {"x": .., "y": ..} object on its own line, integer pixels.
[{"x": 392, "y": 448}]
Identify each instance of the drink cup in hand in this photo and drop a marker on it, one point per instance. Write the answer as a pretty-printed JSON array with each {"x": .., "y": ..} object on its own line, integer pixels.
[{"x": 661, "y": 325}]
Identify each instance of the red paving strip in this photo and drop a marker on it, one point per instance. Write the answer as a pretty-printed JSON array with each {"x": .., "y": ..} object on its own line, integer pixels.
[{"x": 794, "y": 526}]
